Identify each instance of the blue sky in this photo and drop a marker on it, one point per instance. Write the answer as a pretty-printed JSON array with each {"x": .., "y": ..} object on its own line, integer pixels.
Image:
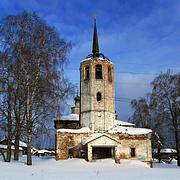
[{"x": 141, "y": 37}]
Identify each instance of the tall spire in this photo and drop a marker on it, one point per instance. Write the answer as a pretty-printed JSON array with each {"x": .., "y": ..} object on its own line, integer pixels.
[{"x": 95, "y": 49}]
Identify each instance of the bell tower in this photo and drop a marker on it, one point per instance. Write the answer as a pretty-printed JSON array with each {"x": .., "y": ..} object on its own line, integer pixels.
[{"x": 97, "y": 90}]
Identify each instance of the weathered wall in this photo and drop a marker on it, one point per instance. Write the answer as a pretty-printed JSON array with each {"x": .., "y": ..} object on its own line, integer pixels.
[
  {"x": 66, "y": 141},
  {"x": 98, "y": 115},
  {"x": 122, "y": 143},
  {"x": 141, "y": 143}
]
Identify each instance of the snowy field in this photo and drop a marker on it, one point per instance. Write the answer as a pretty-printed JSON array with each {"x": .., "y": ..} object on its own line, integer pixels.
[{"x": 49, "y": 169}]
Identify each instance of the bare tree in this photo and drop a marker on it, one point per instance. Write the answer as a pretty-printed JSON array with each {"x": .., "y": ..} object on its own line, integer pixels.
[
  {"x": 141, "y": 116},
  {"x": 39, "y": 54},
  {"x": 165, "y": 99},
  {"x": 6, "y": 91},
  {"x": 162, "y": 112}
]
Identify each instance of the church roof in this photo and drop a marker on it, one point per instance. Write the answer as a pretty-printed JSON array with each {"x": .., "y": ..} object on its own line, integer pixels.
[
  {"x": 70, "y": 117},
  {"x": 95, "y": 46},
  {"x": 95, "y": 49},
  {"x": 130, "y": 130},
  {"x": 82, "y": 130},
  {"x": 123, "y": 123}
]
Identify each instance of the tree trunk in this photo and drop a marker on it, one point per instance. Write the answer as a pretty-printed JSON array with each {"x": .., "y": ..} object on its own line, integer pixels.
[
  {"x": 159, "y": 153},
  {"x": 9, "y": 144},
  {"x": 3, "y": 155},
  {"x": 29, "y": 139},
  {"x": 17, "y": 130},
  {"x": 29, "y": 130},
  {"x": 17, "y": 139},
  {"x": 178, "y": 157},
  {"x": 177, "y": 146}
]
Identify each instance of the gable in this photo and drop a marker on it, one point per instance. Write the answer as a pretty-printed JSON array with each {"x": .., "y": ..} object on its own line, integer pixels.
[{"x": 100, "y": 139}]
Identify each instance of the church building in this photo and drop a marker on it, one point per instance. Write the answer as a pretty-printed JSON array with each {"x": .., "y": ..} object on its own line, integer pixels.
[{"x": 92, "y": 131}]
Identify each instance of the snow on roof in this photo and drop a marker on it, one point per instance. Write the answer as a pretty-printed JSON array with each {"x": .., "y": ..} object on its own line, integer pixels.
[
  {"x": 130, "y": 130},
  {"x": 104, "y": 59},
  {"x": 168, "y": 150},
  {"x": 82, "y": 130},
  {"x": 86, "y": 59},
  {"x": 74, "y": 117},
  {"x": 21, "y": 143},
  {"x": 2, "y": 146},
  {"x": 123, "y": 123},
  {"x": 42, "y": 151},
  {"x": 34, "y": 150},
  {"x": 98, "y": 58}
]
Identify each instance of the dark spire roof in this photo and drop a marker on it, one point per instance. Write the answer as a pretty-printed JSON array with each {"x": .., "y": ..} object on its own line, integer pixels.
[{"x": 95, "y": 49}]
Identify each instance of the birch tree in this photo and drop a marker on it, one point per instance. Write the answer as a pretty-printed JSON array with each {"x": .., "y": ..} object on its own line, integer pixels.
[{"x": 39, "y": 54}]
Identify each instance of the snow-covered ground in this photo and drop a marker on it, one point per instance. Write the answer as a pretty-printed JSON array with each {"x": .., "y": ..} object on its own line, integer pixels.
[{"x": 49, "y": 169}]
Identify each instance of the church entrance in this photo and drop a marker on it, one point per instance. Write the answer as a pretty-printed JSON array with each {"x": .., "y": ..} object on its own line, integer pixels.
[{"x": 102, "y": 152}]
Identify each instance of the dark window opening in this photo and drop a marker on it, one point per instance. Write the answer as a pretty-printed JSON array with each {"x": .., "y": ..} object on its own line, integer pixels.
[
  {"x": 109, "y": 74},
  {"x": 70, "y": 153},
  {"x": 133, "y": 152},
  {"x": 99, "y": 97},
  {"x": 98, "y": 71},
  {"x": 86, "y": 72}
]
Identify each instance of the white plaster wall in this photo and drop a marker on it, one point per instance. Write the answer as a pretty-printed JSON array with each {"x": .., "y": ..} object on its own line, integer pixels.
[
  {"x": 142, "y": 149},
  {"x": 101, "y": 114},
  {"x": 100, "y": 142}
]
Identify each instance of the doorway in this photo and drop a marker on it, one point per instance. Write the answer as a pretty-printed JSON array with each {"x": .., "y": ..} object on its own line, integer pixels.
[{"x": 102, "y": 152}]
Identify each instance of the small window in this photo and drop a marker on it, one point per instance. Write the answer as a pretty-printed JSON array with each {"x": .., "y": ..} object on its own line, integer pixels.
[
  {"x": 86, "y": 73},
  {"x": 133, "y": 152},
  {"x": 70, "y": 153},
  {"x": 109, "y": 74},
  {"x": 99, "y": 97},
  {"x": 98, "y": 71}
]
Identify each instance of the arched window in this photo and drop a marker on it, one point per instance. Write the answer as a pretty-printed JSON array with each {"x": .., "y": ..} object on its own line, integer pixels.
[
  {"x": 98, "y": 96},
  {"x": 109, "y": 74},
  {"x": 98, "y": 71},
  {"x": 86, "y": 73}
]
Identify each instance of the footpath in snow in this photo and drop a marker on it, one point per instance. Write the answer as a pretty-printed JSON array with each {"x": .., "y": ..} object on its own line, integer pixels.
[{"x": 45, "y": 168}]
